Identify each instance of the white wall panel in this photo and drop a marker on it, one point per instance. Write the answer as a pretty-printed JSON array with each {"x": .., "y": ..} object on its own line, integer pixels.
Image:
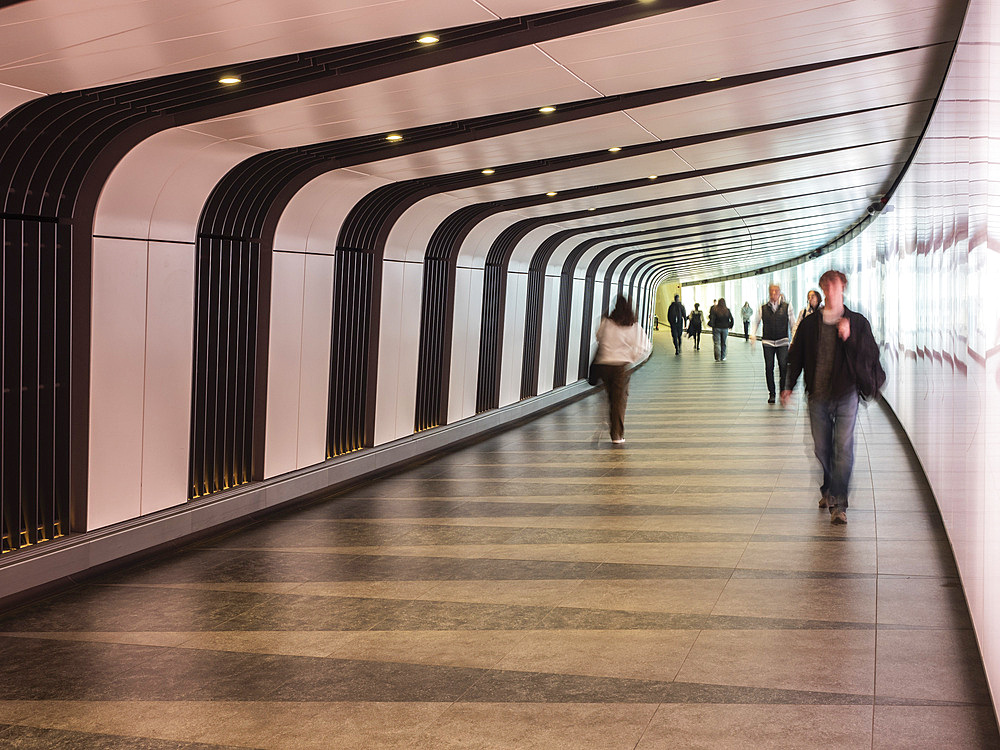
[
  {"x": 411, "y": 233},
  {"x": 284, "y": 364},
  {"x": 547, "y": 347},
  {"x": 465, "y": 343},
  {"x": 389, "y": 343},
  {"x": 576, "y": 324},
  {"x": 314, "y": 378},
  {"x": 118, "y": 348},
  {"x": 166, "y": 425},
  {"x": 408, "y": 357},
  {"x": 313, "y": 217},
  {"x": 513, "y": 339},
  {"x": 159, "y": 188}
]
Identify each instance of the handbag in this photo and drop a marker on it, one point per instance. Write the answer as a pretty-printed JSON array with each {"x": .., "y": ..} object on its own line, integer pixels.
[{"x": 594, "y": 373}]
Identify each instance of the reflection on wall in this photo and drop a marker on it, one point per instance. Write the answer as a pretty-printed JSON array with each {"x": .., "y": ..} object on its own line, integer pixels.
[{"x": 927, "y": 275}]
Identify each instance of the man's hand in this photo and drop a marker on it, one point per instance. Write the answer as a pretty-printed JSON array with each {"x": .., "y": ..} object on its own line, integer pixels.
[
  {"x": 844, "y": 329},
  {"x": 786, "y": 396}
]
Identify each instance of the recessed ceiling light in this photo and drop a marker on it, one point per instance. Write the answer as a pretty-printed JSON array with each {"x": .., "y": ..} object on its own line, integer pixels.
[
  {"x": 489, "y": 171},
  {"x": 428, "y": 39},
  {"x": 394, "y": 137},
  {"x": 713, "y": 80},
  {"x": 653, "y": 176},
  {"x": 547, "y": 109},
  {"x": 551, "y": 193},
  {"x": 591, "y": 209},
  {"x": 229, "y": 80},
  {"x": 615, "y": 149}
]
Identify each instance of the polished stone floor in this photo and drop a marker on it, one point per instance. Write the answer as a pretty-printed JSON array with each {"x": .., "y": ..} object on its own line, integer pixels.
[{"x": 540, "y": 589}]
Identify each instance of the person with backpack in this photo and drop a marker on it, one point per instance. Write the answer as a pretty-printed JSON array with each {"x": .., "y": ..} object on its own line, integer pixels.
[{"x": 836, "y": 352}]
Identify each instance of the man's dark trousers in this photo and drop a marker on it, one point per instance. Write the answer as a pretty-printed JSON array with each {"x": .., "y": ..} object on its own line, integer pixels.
[{"x": 769, "y": 355}]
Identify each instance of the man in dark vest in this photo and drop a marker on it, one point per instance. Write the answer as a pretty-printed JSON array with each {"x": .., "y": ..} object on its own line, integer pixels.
[
  {"x": 777, "y": 319},
  {"x": 676, "y": 315}
]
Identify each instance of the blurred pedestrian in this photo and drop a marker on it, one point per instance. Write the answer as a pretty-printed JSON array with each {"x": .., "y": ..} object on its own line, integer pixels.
[
  {"x": 620, "y": 342},
  {"x": 838, "y": 355}
]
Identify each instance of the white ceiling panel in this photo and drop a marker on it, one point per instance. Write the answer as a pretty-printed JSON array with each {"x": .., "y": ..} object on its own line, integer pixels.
[
  {"x": 863, "y": 128},
  {"x": 741, "y": 36},
  {"x": 513, "y": 80},
  {"x": 596, "y": 174},
  {"x": 591, "y": 134},
  {"x": 875, "y": 83},
  {"x": 51, "y": 45}
]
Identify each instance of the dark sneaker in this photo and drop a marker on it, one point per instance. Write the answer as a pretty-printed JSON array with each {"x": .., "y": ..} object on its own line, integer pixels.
[
  {"x": 838, "y": 516},
  {"x": 770, "y": 399}
]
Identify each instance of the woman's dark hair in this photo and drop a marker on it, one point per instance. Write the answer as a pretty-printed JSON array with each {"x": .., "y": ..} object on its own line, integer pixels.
[
  {"x": 819, "y": 298},
  {"x": 622, "y": 314},
  {"x": 720, "y": 307}
]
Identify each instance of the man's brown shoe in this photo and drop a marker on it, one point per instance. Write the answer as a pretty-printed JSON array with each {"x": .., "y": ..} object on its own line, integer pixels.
[
  {"x": 824, "y": 501},
  {"x": 838, "y": 516}
]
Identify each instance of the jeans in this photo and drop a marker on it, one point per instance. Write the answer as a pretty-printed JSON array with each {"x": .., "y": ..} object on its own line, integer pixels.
[
  {"x": 832, "y": 422},
  {"x": 769, "y": 352},
  {"x": 676, "y": 331},
  {"x": 719, "y": 336},
  {"x": 746, "y": 328}
]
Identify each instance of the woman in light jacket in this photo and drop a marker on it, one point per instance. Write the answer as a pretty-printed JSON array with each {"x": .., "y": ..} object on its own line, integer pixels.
[{"x": 620, "y": 342}]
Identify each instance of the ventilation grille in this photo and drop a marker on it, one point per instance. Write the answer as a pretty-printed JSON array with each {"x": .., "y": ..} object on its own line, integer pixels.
[
  {"x": 225, "y": 373},
  {"x": 35, "y": 406}
]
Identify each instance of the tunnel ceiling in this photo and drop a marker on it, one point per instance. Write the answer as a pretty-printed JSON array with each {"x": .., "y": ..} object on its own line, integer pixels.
[{"x": 750, "y": 132}]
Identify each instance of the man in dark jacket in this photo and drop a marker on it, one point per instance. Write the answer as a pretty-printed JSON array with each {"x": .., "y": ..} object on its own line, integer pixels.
[
  {"x": 830, "y": 348},
  {"x": 676, "y": 315}
]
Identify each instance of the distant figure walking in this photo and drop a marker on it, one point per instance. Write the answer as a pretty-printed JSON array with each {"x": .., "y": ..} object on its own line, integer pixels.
[
  {"x": 676, "y": 315},
  {"x": 694, "y": 326},
  {"x": 620, "y": 342},
  {"x": 720, "y": 320},
  {"x": 746, "y": 312}
]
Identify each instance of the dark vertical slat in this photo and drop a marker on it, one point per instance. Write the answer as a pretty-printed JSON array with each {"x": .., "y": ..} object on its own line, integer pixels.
[
  {"x": 61, "y": 342},
  {"x": 563, "y": 330},
  {"x": 12, "y": 382},
  {"x": 46, "y": 487},
  {"x": 29, "y": 378}
]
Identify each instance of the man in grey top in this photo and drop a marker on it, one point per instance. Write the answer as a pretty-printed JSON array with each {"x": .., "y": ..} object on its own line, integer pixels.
[
  {"x": 777, "y": 318},
  {"x": 830, "y": 348}
]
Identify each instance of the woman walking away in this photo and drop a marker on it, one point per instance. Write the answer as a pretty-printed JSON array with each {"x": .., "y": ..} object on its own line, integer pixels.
[
  {"x": 620, "y": 341},
  {"x": 720, "y": 319},
  {"x": 694, "y": 326}
]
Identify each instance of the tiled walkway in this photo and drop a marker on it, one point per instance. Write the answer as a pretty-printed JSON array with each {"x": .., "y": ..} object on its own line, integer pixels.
[{"x": 542, "y": 589}]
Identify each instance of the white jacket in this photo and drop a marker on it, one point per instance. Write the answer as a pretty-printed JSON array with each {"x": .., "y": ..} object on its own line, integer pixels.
[{"x": 620, "y": 345}]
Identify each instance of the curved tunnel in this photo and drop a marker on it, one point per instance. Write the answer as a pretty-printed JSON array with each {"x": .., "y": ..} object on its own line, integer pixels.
[{"x": 219, "y": 297}]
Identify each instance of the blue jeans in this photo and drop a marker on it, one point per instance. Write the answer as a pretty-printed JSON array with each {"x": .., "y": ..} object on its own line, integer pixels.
[
  {"x": 832, "y": 422},
  {"x": 719, "y": 336},
  {"x": 769, "y": 354}
]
